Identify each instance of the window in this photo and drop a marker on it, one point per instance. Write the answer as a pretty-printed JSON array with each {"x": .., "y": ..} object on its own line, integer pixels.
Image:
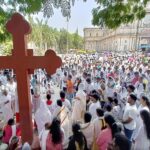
[
  {"x": 90, "y": 34},
  {"x": 96, "y": 34}
]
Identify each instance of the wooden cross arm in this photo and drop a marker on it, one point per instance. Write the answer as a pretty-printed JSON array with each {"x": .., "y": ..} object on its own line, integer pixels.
[
  {"x": 7, "y": 62},
  {"x": 50, "y": 62}
]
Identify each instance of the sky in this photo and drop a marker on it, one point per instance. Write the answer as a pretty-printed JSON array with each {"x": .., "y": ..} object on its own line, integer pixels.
[{"x": 81, "y": 17}]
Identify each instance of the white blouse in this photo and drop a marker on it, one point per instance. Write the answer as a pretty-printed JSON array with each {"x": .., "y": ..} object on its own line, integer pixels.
[{"x": 141, "y": 141}]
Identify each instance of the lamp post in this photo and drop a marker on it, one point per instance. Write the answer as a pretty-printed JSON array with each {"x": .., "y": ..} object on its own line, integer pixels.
[{"x": 67, "y": 33}]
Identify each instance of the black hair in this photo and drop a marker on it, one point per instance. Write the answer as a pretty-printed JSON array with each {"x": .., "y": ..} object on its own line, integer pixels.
[
  {"x": 110, "y": 99},
  {"x": 11, "y": 122},
  {"x": 116, "y": 101},
  {"x": 65, "y": 73},
  {"x": 88, "y": 80},
  {"x": 122, "y": 141},
  {"x": 145, "y": 115},
  {"x": 133, "y": 97},
  {"x": 32, "y": 92},
  {"x": 100, "y": 112},
  {"x": 108, "y": 108},
  {"x": 48, "y": 96},
  {"x": 87, "y": 117},
  {"x": 131, "y": 87},
  {"x": 109, "y": 119},
  {"x": 95, "y": 96},
  {"x": 70, "y": 76},
  {"x": 78, "y": 135},
  {"x": 62, "y": 94},
  {"x": 55, "y": 131},
  {"x": 59, "y": 103},
  {"x": 146, "y": 101}
]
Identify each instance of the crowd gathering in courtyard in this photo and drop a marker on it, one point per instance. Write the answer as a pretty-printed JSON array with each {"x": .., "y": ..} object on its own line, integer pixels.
[{"x": 93, "y": 102}]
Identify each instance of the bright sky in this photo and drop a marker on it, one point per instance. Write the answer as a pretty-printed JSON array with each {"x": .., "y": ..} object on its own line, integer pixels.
[{"x": 81, "y": 17}]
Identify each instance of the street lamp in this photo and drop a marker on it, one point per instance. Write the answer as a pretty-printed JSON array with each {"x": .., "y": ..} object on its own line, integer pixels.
[{"x": 67, "y": 33}]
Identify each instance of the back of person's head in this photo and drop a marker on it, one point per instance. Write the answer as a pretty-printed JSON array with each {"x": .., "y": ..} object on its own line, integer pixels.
[
  {"x": 87, "y": 117},
  {"x": 145, "y": 115},
  {"x": 95, "y": 96},
  {"x": 70, "y": 76},
  {"x": 65, "y": 73},
  {"x": 55, "y": 131},
  {"x": 100, "y": 112},
  {"x": 122, "y": 142},
  {"x": 110, "y": 99},
  {"x": 78, "y": 135},
  {"x": 88, "y": 80},
  {"x": 59, "y": 103},
  {"x": 94, "y": 92},
  {"x": 133, "y": 97},
  {"x": 116, "y": 101},
  {"x": 48, "y": 96},
  {"x": 131, "y": 87},
  {"x": 76, "y": 128},
  {"x": 62, "y": 94},
  {"x": 110, "y": 121},
  {"x": 47, "y": 126},
  {"x": 108, "y": 108},
  {"x": 11, "y": 122}
]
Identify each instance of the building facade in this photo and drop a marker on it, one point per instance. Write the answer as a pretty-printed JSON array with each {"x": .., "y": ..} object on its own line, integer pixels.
[{"x": 126, "y": 38}]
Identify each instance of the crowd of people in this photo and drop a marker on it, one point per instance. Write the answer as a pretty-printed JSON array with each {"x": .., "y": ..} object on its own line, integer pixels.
[{"x": 93, "y": 102}]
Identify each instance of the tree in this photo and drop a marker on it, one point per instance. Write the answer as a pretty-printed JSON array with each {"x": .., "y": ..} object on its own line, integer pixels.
[
  {"x": 76, "y": 40},
  {"x": 116, "y": 12},
  {"x": 7, "y": 7},
  {"x": 45, "y": 37},
  {"x": 62, "y": 42}
]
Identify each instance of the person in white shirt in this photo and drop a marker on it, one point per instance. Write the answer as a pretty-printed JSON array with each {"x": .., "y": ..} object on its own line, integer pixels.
[
  {"x": 144, "y": 105},
  {"x": 142, "y": 140},
  {"x": 64, "y": 82},
  {"x": 88, "y": 86},
  {"x": 42, "y": 116},
  {"x": 79, "y": 104},
  {"x": 110, "y": 88},
  {"x": 5, "y": 106},
  {"x": 62, "y": 112},
  {"x": 99, "y": 122},
  {"x": 94, "y": 105},
  {"x": 116, "y": 111},
  {"x": 129, "y": 116},
  {"x": 87, "y": 129},
  {"x": 139, "y": 85},
  {"x": 65, "y": 101},
  {"x": 96, "y": 83}
]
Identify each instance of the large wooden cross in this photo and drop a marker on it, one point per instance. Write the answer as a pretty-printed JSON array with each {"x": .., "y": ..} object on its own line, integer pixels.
[{"x": 23, "y": 61}]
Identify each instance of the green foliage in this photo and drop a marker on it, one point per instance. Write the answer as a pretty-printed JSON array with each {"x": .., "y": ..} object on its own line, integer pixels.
[
  {"x": 116, "y": 12},
  {"x": 45, "y": 37},
  {"x": 7, "y": 7},
  {"x": 6, "y": 48}
]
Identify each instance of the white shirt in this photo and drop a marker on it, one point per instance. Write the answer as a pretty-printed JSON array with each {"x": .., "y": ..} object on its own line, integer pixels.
[
  {"x": 97, "y": 125},
  {"x": 67, "y": 104},
  {"x": 130, "y": 111},
  {"x": 88, "y": 131},
  {"x": 96, "y": 85},
  {"x": 93, "y": 107},
  {"x": 141, "y": 141}
]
